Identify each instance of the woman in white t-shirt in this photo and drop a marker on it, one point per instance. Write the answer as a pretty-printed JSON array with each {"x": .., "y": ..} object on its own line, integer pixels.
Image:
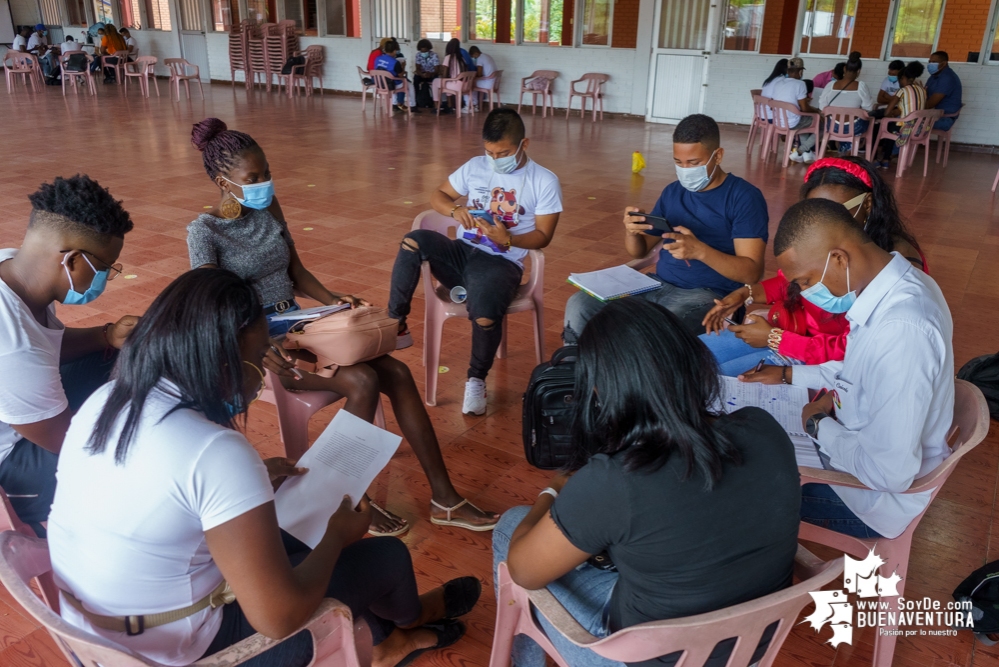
[
  {"x": 849, "y": 92},
  {"x": 161, "y": 502}
]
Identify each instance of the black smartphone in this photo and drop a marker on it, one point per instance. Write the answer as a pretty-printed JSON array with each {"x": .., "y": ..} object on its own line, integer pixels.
[{"x": 658, "y": 224}]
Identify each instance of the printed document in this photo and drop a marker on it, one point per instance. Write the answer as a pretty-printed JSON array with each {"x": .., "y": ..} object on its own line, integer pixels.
[
  {"x": 614, "y": 282},
  {"x": 309, "y": 313}
]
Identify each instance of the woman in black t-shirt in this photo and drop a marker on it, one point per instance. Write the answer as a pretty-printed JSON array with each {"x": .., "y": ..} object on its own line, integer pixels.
[{"x": 698, "y": 510}]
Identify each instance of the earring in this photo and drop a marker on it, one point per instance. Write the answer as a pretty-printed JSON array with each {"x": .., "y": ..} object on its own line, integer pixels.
[{"x": 230, "y": 209}]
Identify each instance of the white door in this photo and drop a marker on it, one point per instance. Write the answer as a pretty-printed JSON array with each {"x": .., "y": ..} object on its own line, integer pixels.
[
  {"x": 193, "y": 43},
  {"x": 677, "y": 74}
]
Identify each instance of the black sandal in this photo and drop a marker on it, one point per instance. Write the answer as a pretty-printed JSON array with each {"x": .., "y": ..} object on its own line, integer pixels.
[
  {"x": 448, "y": 633},
  {"x": 460, "y": 596}
]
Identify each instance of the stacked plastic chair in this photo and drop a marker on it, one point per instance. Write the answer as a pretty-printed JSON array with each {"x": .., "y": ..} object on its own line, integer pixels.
[
  {"x": 280, "y": 43},
  {"x": 237, "y": 50},
  {"x": 256, "y": 53}
]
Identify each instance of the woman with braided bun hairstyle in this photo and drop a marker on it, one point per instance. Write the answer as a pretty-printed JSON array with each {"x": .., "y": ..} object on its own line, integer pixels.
[
  {"x": 796, "y": 331},
  {"x": 247, "y": 234}
]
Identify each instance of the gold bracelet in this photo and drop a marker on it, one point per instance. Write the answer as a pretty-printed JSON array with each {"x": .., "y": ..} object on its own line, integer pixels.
[
  {"x": 456, "y": 207},
  {"x": 774, "y": 338}
]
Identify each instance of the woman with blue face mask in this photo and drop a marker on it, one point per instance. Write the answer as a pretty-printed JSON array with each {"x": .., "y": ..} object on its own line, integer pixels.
[{"x": 247, "y": 234}]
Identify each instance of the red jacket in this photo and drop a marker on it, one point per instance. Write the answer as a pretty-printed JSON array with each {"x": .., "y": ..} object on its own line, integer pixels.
[
  {"x": 811, "y": 334},
  {"x": 371, "y": 58}
]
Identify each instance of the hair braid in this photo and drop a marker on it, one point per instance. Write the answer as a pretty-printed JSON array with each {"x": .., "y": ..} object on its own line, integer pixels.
[{"x": 220, "y": 147}]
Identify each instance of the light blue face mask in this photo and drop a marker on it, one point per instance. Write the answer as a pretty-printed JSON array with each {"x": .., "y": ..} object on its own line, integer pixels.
[
  {"x": 504, "y": 165},
  {"x": 257, "y": 196},
  {"x": 933, "y": 68},
  {"x": 697, "y": 178},
  {"x": 239, "y": 405},
  {"x": 820, "y": 296},
  {"x": 893, "y": 78},
  {"x": 97, "y": 285}
]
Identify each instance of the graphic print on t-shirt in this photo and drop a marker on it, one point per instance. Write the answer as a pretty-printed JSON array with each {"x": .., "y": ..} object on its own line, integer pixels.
[{"x": 504, "y": 208}]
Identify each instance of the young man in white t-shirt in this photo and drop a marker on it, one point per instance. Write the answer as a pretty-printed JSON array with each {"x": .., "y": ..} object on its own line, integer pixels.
[
  {"x": 131, "y": 43},
  {"x": 20, "y": 43},
  {"x": 47, "y": 370},
  {"x": 513, "y": 205}
]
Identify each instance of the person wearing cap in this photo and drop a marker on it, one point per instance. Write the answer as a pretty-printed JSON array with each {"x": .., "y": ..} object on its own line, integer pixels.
[
  {"x": 38, "y": 43},
  {"x": 943, "y": 90},
  {"x": 793, "y": 90}
]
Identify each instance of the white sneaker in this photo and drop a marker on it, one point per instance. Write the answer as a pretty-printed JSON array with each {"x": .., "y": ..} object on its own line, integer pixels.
[
  {"x": 796, "y": 156},
  {"x": 475, "y": 397},
  {"x": 808, "y": 157}
]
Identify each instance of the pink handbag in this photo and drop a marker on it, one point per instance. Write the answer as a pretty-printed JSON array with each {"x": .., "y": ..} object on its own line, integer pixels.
[{"x": 343, "y": 339}]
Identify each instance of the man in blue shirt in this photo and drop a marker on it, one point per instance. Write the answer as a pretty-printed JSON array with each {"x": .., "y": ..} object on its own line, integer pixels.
[
  {"x": 719, "y": 233},
  {"x": 943, "y": 90},
  {"x": 388, "y": 62}
]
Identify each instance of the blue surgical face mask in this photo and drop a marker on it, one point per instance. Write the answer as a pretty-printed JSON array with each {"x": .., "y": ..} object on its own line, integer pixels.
[
  {"x": 257, "y": 196},
  {"x": 820, "y": 296},
  {"x": 697, "y": 178},
  {"x": 504, "y": 165},
  {"x": 893, "y": 78},
  {"x": 933, "y": 68},
  {"x": 238, "y": 405},
  {"x": 97, "y": 285}
]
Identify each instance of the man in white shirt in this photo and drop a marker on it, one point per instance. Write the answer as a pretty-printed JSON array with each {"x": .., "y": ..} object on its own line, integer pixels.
[
  {"x": 70, "y": 45},
  {"x": 792, "y": 90},
  {"x": 890, "y": 85},
  {"x": 20, "y": 43},
  {"x": 38, "y": 43},
  {"x": 47, "y": 370},
  {"x": 485, "y": 65},
  {"x": 513, "y": 205},
  {"x": 891, "y": 400},
  {"x": 133, "y": 46}
]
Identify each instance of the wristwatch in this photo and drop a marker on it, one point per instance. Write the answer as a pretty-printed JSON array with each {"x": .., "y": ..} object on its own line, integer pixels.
[{"x": 812, "y": 424}]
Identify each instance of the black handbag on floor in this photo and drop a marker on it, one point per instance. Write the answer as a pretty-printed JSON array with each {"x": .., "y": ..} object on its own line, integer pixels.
[{"x": 548, "y": 406}]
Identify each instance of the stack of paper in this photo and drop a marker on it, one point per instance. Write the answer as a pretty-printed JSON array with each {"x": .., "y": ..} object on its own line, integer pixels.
[
  {"x": 783, "y": 401},
  {"x": 613, "y": 283},
  {"x": 343, "y": 461},
  {"x": 309, "y": 313}
]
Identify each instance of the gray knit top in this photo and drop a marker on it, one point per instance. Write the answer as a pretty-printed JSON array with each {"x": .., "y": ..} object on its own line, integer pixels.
[{"x": 256, "y": 247}]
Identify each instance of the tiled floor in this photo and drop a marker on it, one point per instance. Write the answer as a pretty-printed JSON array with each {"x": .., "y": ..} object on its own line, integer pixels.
[{"x": 351, "y": 183}]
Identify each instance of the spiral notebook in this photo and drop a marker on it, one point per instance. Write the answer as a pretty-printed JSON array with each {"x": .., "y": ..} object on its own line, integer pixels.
[{"x": 614, "y": 283}]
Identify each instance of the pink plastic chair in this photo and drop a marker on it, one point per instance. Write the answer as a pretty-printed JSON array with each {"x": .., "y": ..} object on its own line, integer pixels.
[
  {"x": 995, "y": 182},
  {"x": 295, "y": 408},
  {"x": 920, "y": 136},
  {"x": 759, "y": 124},
  {"x": 971, "y": 425},
  {"x": 593, "y": 92},
  {"x": 464, "y": 83},
  {"x": 179, "y": 72},
  {"x": 530, "y": 296},
  {"x": 385, "y": 89},
  {"x": 9, "y": 519},
  {"x": 694, "y": 636},
  {"x": 118, "y": 67},
  {"x": 943, "y": 138},
  {"x": 546, "y": 75},
  {"x": 25, "y": 64},
  {"x": 649, "y": 260},
  {"x": 493, "y": 93},
  {"x": 366, "y": 87},
  {"x": 336, "y": 638},
  {"x": 837, "y": 125},
  {"x": 142, "y": 69},
  {"x": 72, "y": 78},
  {"x": 304, "y": 74},
  {"x": 780, "y": 128}
]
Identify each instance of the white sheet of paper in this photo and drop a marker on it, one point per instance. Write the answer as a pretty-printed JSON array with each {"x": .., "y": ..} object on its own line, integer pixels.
[
  {"x": 343, "y": 461},
  {"x": 614, "y": 282},
  {"x": 309, "y": 313},
  {"x": 783, "y": 401}
]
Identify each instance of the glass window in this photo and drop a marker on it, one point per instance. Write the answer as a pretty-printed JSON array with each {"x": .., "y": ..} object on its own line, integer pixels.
[
  {"x": 543, "y": 21},
  {"x": 828, "y": 26},
  {"x": 158, "y": 14},
  {"x": 994, "y": 54},
  {"x": 440, "y": 19},
  {"x": 962, "y": 30},
  {"x": 343, "y": 18},
  {"x": 77, "y": 13},
  {"x": 916, "y": 25},
  {"x": 225, "y": 13},
  {"x": 258, "y": 11},
  {"x": 303, "y": 13},
  {"x": 483, "y": 20},
  {"x": 597, "y": 22},
  {"x": 684, "y": 24},
  {"x": 743, "y": 24},
  {"x": 130, "y": 15},
  {"x": 102, "y": 11}
]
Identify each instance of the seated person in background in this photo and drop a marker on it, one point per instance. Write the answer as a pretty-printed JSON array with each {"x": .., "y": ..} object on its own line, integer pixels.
[
  {"x": 427, "y": 63},
  {"x": 70, "y": 45},
  {"x": 943, "y": 90},
  {"x": 131, "y": 45},
  {"x": 720, "y": 224},
  {"x": 38, "y": 42},
  {"x": 792, "y": 90},
  {"x": 467, "y": 57},
  {"x": 484, "y": 65},
  {"x": 779, "y": 72},
  {"x": 890, "y": 84},
  {"x": 911, "y": 96},
  {"x": 823, "y": 79},
  {"x": 850, "y": 92},
  {"x": 377, "y": 52},
  {"x": 796, "y": 331},
  {"x": 248, "y": 235},
  {"x": 20, "y": 43},
  {"x": 522, "y": 201},
  {"x": 697, "y": 509},
  {"x": 48, "y": 370},
  {"x": 453, "y": 65},
  {"x": 111, "y": 43},
  {"x": 161, "y": 441},
  {"x": 891, "y": 400},
  {"x": 388, "y": 62}
]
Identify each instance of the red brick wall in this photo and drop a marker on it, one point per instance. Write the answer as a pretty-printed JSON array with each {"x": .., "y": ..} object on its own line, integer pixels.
[
  {"x": 869, "y": 29},
  {"x": 625, "y": 30},
  {"x": 780, "y": 19},
  {"x": 431, "y": 17},
  {"x": 963, "y": 28}
]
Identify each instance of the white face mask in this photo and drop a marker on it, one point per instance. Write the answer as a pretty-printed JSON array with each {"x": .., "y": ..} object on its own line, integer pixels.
[
  {"x": 697, "y": 178},
  {"x": 504, "y": 165}
]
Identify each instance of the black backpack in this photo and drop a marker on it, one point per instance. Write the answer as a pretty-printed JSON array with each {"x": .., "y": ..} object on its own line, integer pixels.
[
  {"x": 983, "y": 372},
  {"x": 548, "y": 410},
  {"x": 424, "y": 94},
  {"x": 982, "y": 589},
  {"x": 77, "y": 62}
]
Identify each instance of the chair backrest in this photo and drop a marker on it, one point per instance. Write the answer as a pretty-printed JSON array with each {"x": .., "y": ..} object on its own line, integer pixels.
[
  {"x": 315, "y": 56},
  {"x": 141, "y": 66},
  {"x": 755, "y": 91},
  {"x": 594, "y": 80},
  {"x": 922, "y": 123},
  {"x": 23, "y": 62},
  {"x": 696, "y": 636},
  {"x": 760, "y": 106},
  {"x": 971, "y": 425},
  {"x": 549, "y": 74},
  {"x": 839, "y": 121},
  {"x": 25, "y": 558},
  {"x": 782, "y": 112},
  {"x": 467, "y": 81},
  {"x": 178, "y": 66},
  {"x": 362, "y": 73},
  {"x": 384, "y": 81}
]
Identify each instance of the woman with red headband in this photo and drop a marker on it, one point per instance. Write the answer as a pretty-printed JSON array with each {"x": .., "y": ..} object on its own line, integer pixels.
[{"x": 795, "y": 331}]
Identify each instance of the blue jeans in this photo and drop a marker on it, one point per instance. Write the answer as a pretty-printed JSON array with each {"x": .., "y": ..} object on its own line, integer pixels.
[
  {"x": 690, "y": 305},
  {"x": 585, "y": 593},
  {"x": 735, "y": 355},
  {"x": 280, "y": 328},
  {"x": 820, "y": 506},
  {"x": 944, "y": 124}
]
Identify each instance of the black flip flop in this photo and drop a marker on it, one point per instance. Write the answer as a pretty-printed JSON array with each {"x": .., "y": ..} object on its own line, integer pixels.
[
  {"x": 448, "y": 633},
  {"x": 460, "y": 596}
]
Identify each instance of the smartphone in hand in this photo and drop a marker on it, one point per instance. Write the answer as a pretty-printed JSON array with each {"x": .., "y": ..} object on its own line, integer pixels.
[
  {"x": 483, "y": 214},
  {"x": 659, "y": 224}
]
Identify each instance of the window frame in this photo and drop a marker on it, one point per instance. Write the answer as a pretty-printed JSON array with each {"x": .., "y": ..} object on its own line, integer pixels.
[
  {"x": 579, "y": 10},
  {"x": 517, "y": 35},
  {"x": 322, "y": 26},
  {"x": 723, "y": 12},
  {"x": 802, "y": 11},
  {"x": 893, "y": 13}
]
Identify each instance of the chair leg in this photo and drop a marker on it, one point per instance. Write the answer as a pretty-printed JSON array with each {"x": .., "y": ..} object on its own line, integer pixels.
[
  {"x": 433, "y": 329},
  {"x": 539, "y": 332},
  {"x": 201, "y": 88},
  {"x": 521, "y": 103},
  {"x": 568, "y": 107},
  {"x": 926, "y": 158},
  {"x": 995, "y": 183}
]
